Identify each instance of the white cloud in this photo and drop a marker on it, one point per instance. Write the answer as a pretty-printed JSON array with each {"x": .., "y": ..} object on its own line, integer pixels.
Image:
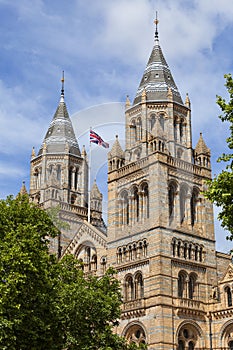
[{"x": 103, "y": 47}]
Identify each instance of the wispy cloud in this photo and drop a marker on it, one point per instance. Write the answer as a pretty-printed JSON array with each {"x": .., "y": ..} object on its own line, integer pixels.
[{"x": 103, "y": 46}]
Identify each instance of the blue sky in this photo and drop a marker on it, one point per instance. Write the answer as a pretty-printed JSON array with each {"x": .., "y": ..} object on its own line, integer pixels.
[{"x": 103, "y": 46}]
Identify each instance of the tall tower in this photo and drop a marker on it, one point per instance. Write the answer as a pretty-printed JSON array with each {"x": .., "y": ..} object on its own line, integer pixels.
[
  {"x": 59, "y": 173},
  {"x": 160, "y": 227}
]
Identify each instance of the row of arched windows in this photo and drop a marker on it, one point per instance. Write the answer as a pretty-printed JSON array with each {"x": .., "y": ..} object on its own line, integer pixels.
[
  {"x": 133, "y": 251},
  {"x": 133, "y": 287},
  {"x": 183, "y": 203},
  {"x": 87, "y": 256},
  {"x": 187, "y": 284},
  {"x": 187, "y": 250},
  {"x": 134, "y": 205}
]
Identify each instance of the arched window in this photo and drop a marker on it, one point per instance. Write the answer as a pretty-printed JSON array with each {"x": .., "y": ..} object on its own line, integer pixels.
[
  {"x": 185, "y": 250},
  {"x": 135, "y": 203},
  {"x": 183, "y": 209},
  {"x": 119, "y": 255},
  {"x": 193, "y": 206},
  {"x": 230, "y": 345},
  {"x": 161, "y": 120},
  {"x": 139, "y": 286},
  {"x": 190, "y": 345},
  {"x": 191, "y": 286},
  {"x": 229, "y": 296},
  {"x": 181, "y": 284},
  {"x": 174, "y": 247},
  {"x": 139, "y": 129},
  {"x": 133, "y": 132},
  {"x": 145, "y": 201},
  {"x": 70, "y": 178},
  {"x": 178, "y": 248},
  {"x": 135, "y": 334},
  {"x": 171, "y": 200},
  {"x": 124, "y": 208},
  {"x": 187, "y": 337},
  {"x": 152, "y": 121},
  {"x": 129, "y": 290}
]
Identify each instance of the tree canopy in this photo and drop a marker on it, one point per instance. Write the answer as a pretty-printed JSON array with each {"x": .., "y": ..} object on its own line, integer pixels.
[
  {"x": 220, "y": 189},
  {"x": 47, "y": 303}
]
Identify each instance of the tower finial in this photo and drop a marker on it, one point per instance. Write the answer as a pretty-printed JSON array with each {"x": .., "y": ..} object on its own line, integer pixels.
[
  {"x": 62, "y": 84},
  {"x": 156, "y": 21}
]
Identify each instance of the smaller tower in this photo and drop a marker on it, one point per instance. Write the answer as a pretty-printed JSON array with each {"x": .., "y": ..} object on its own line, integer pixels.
[
  {"x": 96, "y": 208},
  {"x": 59, "y": 173},
  {"x": 202, "y": 154},
  {"x": 116, "y": 157}
]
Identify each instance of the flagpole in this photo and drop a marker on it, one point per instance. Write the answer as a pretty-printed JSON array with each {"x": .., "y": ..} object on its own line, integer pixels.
[{"x": 89, "y": 182}]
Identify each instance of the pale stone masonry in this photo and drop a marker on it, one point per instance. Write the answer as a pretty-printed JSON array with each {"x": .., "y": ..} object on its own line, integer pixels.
[{"x": 177, "y": 290}]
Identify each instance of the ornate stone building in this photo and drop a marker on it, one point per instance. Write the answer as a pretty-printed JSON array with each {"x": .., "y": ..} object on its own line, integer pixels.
[{"x": 177, "y": 289}]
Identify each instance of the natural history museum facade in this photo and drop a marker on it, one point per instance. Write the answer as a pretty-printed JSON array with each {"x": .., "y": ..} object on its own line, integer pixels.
[{"x": 177, "y": 289}]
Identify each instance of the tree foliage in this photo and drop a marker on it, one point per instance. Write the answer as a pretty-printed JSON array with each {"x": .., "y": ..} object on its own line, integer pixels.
[
  {"x": 220, "y": 189},
  {"x": 46, "y": 303}
]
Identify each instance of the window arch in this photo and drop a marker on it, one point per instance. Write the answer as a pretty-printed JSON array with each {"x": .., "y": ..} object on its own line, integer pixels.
[
  {"x": 124, "y": 208},
  {"x": 172, "y": 188},
  {"x": 129, "y": 288},
  {"x": 139, "y": 129},
  {"x": 189, "y": 336},
  {"x": 135, "y": 200},
  {"x": 135, "y": 334},
  {"x": 228, "y": 296},
  {"x": 145, "y": 200},
  {"x": 181, "y": 284},
  {"x": 193, "y": 206},
  {"x": 139, "y": 286},
  {"x": 133, "y": 131},
  {"x": 191, "y": 286},
  {"x": 183, "y": 203},
  {"x": 152, "y": 121},
  {"x": 87, "y": 254}
]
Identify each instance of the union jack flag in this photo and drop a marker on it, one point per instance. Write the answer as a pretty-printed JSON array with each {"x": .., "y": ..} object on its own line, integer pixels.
[{"x": 95, "y": 138}]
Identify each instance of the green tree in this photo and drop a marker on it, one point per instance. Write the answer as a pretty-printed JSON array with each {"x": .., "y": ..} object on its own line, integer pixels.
[
  {"x": 90, "y": 307},
  {"x": 28, "y": 316},
  {"x": 46, "y": 303},
  {"x": 220, "y": 189}
]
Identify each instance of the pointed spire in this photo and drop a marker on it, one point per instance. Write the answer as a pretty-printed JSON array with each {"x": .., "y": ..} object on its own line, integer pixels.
[
  {"x": 84, "y": 152},
  {"x": 33, "y": 152},
  {"x": 116, "y": 150},
  {"x": 62, "y": 87},
  {"x": 201, "y": 147},
  {"x": 23, "y": 189},
  {"x": 156, "y": 22},
  {"x": 157, "y": 77},
  {"x": 187, "y": 101},
  {"x": 60, "y": 135},
  {"x": 127, "y": 102},
  {"x": 95, "y": 192}
]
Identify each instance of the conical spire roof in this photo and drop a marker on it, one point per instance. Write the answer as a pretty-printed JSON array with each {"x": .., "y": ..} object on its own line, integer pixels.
[
  {"x": 60, "y": 136},
  {"x": 23, "y": 189},
  {"x": 157, "y": 77},
  {"x": 201, "y": 147},
  {"x": 95, "y": 192},
  {"x": 116, "y": 150}
]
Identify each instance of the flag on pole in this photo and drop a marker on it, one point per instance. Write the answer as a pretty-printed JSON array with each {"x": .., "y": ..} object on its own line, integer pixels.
[{"x": 95, "y": 138}]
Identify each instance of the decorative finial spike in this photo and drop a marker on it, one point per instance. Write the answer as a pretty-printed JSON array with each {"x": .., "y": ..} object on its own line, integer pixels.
[
  {"x": 62, "y": 82},
  {"x": 156, "y": 21}
]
